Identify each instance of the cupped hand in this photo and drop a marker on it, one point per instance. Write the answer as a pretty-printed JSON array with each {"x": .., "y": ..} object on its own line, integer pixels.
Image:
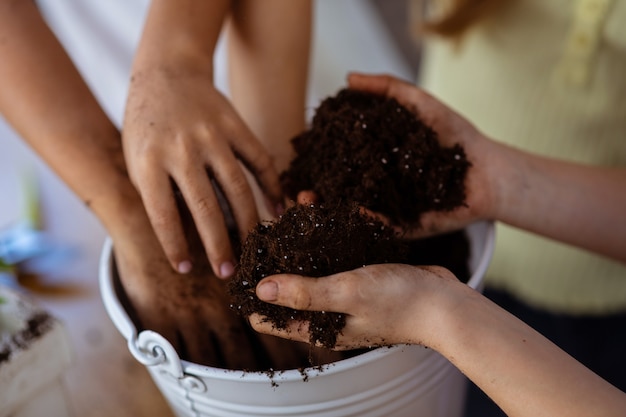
[
  {"x": 181, "y": 133},
  {"x": 481, "y": 182},
  {"x": 384, "y": 304}
]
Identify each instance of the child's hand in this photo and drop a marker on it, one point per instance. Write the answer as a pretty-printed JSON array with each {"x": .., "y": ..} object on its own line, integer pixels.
[
  {"x": 179, "y": 130},
  {"x": 384, "y": 304}
]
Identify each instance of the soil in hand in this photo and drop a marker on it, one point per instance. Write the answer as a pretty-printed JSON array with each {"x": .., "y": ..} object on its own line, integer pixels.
[
  {"x": 370, "y": 149},
  {"x": 361, "y": 150},
  {"x": 314, "y": 241}
]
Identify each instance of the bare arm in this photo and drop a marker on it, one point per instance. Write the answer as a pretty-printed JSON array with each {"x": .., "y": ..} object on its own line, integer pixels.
[
  {"x": 523, "y": 372},
  {"x": 577, "y": 204},
  {"x": 44, "y": 98},
  {"x": 269, "y": 47}
]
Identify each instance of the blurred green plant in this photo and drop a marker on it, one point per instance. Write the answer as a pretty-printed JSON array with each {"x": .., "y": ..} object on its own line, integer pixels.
[{"x": 31, "y": 219}]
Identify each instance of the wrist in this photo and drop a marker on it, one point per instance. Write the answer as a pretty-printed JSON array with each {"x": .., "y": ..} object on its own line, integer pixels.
[
  {"x": 181, "y": 34},
  {"x": 430, "y": 317},
  {"x": 503, "y": 180},
  {"x": 163, "y": 66},
  {"x": 469, "y": 331},
  {"x": 452, "y": 307},
  {"x": 511, "y": 182},
  {"x": 178, "y": 63}
]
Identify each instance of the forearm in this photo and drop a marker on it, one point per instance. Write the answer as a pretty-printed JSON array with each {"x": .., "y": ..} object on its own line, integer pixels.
[
  {"x": 44, "y": 98},
  {"x": 180, "y": 36},
  {"x": 524, "y": 373},
  {"x": 573, "y": 203},
  {"x": 269, "y": 46}
]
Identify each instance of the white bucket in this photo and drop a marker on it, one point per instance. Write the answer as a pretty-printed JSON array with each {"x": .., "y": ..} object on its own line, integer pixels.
[{"x": 389, "y": 381}]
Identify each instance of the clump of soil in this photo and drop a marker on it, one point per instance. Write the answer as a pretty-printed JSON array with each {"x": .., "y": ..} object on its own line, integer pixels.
[
  {"x": 361, "y": 150},
  {"x": 370, "y": 149},
  {"x": 316, "y": 241},
  {"x": 35, "y": 326}
]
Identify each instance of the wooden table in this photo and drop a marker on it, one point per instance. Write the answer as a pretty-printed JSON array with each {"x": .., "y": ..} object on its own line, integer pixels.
[{"x": 104, "y": 379}]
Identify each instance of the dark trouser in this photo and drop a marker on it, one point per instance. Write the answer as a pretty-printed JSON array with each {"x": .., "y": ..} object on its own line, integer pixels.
[{"x": 599, "y": 342}]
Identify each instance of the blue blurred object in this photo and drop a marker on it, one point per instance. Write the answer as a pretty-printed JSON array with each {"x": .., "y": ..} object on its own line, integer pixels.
[
  {"x": 25, "y": 246},
  {"x": 21, "y": 242}
]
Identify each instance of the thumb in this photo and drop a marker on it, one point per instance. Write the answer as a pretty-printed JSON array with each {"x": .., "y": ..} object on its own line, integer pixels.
[{"x": 299, "y": 292}]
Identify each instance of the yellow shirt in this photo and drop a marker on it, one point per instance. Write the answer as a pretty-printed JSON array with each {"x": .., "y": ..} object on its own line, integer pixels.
[{"x": 548, "y": 76}]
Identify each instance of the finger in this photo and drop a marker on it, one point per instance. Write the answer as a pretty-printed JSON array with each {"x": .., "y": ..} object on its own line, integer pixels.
[
  {"x": 295, "y": 330},
  {"x": 381, "y": 84},
  {"x": 435, "y": 222},
  {"x": 257, "y": 160},
  {"x": 406, "y": 93},
  {"x": 163, "y": 214},
  {"x": 307, "y": 197},
  {"x": 298, "y": 331},
  {"x": 208, "y": 218},
  {"x": 234, "y": 184},
  {"x": 375, "y": 215},
  {"x": 303, "y": 293},
  {"x": 374, "y": 83}
]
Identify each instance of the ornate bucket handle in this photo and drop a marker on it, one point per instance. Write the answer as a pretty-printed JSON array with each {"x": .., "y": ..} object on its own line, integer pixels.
[{"x": 152, "y": 349}]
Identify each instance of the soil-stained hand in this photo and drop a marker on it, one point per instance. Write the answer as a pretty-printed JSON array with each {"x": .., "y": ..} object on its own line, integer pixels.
[
  {"x": 384, "y": 304},
  {"x": 192, "y": 311},
  {"x": 181, "y": 133},
  {"x": 482, "y": 179}
]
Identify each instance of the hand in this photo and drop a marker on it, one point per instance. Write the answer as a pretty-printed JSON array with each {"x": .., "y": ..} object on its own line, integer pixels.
[
  {"x": 384, "y": 304},
  {"x": 451, "y": 128},
  {"x": 190, "y": 311},
  {"x": 179, "y": 129}
]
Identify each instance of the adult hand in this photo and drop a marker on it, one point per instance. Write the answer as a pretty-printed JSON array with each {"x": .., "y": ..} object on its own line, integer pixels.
[
  {"x": 179, "y": 130},
  {"x": 384, "y": 304}
]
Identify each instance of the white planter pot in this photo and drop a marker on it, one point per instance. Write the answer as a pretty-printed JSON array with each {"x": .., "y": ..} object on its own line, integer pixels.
[{"x": 388, "y": 381}]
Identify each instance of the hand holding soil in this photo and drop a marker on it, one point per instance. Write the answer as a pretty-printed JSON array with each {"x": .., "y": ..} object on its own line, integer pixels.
[
  {"x": 482, "y": 182},
  {"x": 191, "y": 311},
  {"x": 180, "y": 130},
  {"x": 369, "y": 149},
  {"x": 362, "y": 150},
  {"x": 382, "y": 304},
  {"x": 314, "y": 241}
]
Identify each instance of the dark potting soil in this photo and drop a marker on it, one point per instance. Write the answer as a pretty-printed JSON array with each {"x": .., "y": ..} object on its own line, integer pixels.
[
  {"x": 320, "y": 240},
  {"x": 315, "y": 241},
  {"x": 36, "y": 326},
  {"x": 361, "y": 150},
  {"x": 370, "y": 149}
]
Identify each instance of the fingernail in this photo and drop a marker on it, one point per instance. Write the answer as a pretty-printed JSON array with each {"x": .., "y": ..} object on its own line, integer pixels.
[
  {"x": 184, "y": 267},
  {"x": 226, "y": 269},
  {"x": 267, "y": 291}
]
